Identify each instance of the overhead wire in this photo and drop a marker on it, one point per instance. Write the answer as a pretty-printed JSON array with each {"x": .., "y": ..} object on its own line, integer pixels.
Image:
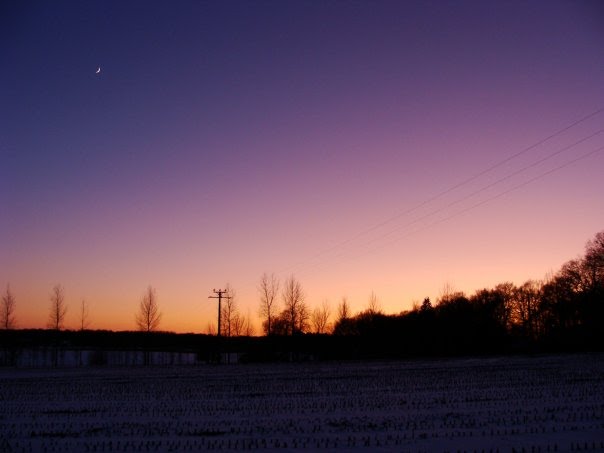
[
  {"x": 465, "y": 210},
  {"x": 342, "y": 244},
  {"x": 500, "y": 194},
  {"x": 488, "y": 186}
]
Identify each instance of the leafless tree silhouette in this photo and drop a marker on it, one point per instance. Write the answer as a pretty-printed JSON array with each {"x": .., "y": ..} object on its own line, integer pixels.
[
  {"x": 7, "y": 319},
  {"x": 229, "y": 313},
  {"x": 343, "y": 310},
  {"x": 237, "y": 325},
  {"x": 303, "y": 322},
  {"x": 268, "y": 289},
  {"x": 148, "y": 316},
  {"x": 594, "y": 261},
  {"x": 295, "y": 313},
  {"x": 58, "y": 308},
  {"x": 525, "y": 308},
  {"x": 320, "y": 318},
  {"x": 211, "y": 329},
  {"x": 241, "y": 325},
  {"x": 506, "y": 291},
  {"x": 448, "y": 293},
  {"x": 373, "y": 305}
]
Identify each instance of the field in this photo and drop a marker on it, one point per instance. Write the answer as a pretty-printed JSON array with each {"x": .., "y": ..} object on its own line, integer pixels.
[{"x": 552, "y": 403}]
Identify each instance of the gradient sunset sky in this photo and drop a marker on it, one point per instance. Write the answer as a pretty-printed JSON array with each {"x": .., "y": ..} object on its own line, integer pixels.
[{"x": 361, "y": 146}]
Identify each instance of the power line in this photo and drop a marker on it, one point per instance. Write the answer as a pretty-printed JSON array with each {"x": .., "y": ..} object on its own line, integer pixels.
[
  {"x": 476, "y": 205},
  {"x": 446, "y": 191},
  {"x": 466, "y": 181},
  {"x": 521, "y": 185},
  {"x": 486, "y": 187}
]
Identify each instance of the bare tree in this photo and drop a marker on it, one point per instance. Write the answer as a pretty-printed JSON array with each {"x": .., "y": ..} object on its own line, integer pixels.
[
  {"x": 303, "y": 322},
  {"x": 84, "y": 316},
  {"x": 320, "y": 318},
  {"x": 229, "y": 313},
  {"x": 241, "y": 325},
  {"x": 148, "y": 316},
  {"x": 573, "y": 272},
  {"x": 449, "y": 294},
  {"x": 268, "y": 289},
  {"x": 525, "y": 307},
  {"x": 7, "y": 319},
  {"x": 58, "y": 308},
  {"x": 237, "y": 324},
  {"x": 295, "y": 313},
  {"x": 593, "y": 263},
  {"x": 507, "y": 292},
  {"x": 211, "y": 328},
  {"x": 373, "y": 306},
  {"x": 343, "y": 310}
]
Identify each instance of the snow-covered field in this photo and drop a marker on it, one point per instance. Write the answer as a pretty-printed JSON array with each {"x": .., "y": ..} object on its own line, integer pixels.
[{"x": 498, "y": 404}]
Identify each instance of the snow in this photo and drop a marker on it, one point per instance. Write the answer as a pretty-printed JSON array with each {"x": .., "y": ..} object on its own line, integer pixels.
[{"x": 551, "y": 403}]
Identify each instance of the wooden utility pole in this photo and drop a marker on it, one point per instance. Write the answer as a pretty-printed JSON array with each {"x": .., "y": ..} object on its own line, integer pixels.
[{"x": 221, "y": 294}]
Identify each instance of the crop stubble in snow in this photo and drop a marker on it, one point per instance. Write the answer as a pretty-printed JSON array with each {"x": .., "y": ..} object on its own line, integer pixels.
[{"x": 539, "y": 404}]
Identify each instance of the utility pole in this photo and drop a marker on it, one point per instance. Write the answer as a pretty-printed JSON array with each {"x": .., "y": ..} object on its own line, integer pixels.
[{"x": 221, "y": 294}]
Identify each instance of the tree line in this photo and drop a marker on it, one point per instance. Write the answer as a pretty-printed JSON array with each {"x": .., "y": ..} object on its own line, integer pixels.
[
  {"x": 567, "y": 308},
  {"x": 565, "y": 311}
]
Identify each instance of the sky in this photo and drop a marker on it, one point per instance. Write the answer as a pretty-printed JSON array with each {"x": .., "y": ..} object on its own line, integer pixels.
[{"x": 360, "y": 146}]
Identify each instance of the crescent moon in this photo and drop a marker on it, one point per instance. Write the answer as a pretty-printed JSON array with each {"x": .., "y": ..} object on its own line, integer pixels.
[{"x": 98, "y": 70}]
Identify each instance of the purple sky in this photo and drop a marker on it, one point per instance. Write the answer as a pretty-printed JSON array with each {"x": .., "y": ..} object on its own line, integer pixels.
[{"x": 225, "y": 139}]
